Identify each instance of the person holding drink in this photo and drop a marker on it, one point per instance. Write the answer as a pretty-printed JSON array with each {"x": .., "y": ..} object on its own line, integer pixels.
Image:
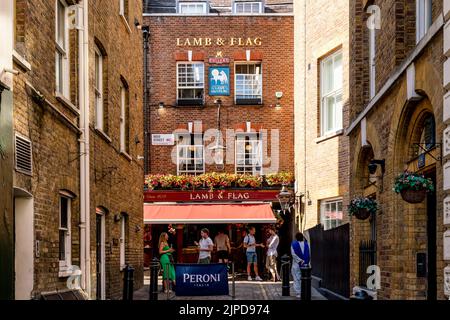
[{"x": 166, "y": 261}]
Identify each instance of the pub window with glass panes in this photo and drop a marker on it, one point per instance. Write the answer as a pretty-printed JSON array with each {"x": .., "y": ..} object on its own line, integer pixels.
[
  {"x": 190, "y": 83},
  {"x": 248, "y": 154},
  {"x": 248, "y": 83},
  {"x": 247, "y": 7},
  {"x": 190, "y": 155},
  {"x": 331, "y": 214},
  {"x": 331, "y": 93}
]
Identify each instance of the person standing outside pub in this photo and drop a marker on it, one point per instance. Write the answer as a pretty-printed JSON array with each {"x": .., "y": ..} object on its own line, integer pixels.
[
  {"x": 272, "y": 254},
  {"x": 206, "y": 246},
  {"x": 301, "y": 258},
  {"x": 222, "y": 243},
  {"x": 166, "y": 261},
  {"x": 252, "y": 258}
]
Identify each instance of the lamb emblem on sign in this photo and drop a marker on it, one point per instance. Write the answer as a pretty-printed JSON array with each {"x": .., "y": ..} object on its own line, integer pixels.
[{"x": 219, "y": 76}]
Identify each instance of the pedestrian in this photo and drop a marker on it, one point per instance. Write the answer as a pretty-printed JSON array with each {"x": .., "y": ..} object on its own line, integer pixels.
[
  {"x": 222, "y": 244},
  {"x": 252, "y": 258},
  {"x": 167, "y": 261},
  {"x": 272, "y": 254},
  {"x": 301, "y": 258},
  {"x": 206, "y": 246}
]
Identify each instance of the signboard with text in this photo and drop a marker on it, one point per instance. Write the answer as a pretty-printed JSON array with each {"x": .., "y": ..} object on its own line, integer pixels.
[
  {"x": 219, "y": 81},
  {"x": 163, "y": 139},
  {"x": 210, "y": 196},
  {"x": 201, "y": 280}
]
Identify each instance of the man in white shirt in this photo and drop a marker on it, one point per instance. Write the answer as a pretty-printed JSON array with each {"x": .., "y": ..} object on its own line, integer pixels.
[
  {"x": 206, "y": 246},
  {"x": 272, "y": 254},
  {"x": 250, "y": 246}
]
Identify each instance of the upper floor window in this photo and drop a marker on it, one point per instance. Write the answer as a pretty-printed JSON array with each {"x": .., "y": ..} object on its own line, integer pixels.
[
  {"x": 248, "y": 83},
  {"x": 62, "y": 69},
  {"x": 331, "y": 93},
  {"x": 248, "y": 154},
  {"x": 99, "y": 92},
  {"x": 124, "y": 118},
  {"x": 372, "y": 64},
  {"x": 190, "y": 83},
  {"x": 247, "y": 7},
  {"x": 190, "y": 155},
  {"x": 331, "y": 214},
  {"x": 423, "y": 18},
  {"x": 192, "y": 8}
]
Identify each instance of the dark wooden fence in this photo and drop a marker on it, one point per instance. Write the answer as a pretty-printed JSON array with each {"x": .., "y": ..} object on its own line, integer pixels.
[{"x": 330, "y": 258}]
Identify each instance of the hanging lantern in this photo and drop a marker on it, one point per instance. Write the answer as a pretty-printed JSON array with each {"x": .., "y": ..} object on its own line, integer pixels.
[{"x": 285, "y": 198}]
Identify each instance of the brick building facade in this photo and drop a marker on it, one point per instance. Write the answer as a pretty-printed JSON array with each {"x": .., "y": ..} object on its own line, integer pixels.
[
  {"x": 321, "y": 110},
  {"x": 219, "y": 67},
  {"x": 61, "y": 173},
  {"x": 396, "y": 112}
]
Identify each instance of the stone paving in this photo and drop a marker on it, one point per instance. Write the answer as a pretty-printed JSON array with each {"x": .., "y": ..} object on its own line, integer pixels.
[{"x": 245, "y": 290}]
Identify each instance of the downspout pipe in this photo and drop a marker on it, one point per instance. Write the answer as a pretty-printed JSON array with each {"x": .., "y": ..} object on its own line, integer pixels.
[
  {"x": 147, "y": 112},
  {"x": 83, "y": 78}
]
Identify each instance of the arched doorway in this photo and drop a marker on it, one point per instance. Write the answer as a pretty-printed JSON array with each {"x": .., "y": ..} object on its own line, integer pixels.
[{"x": 417, "y": 151}]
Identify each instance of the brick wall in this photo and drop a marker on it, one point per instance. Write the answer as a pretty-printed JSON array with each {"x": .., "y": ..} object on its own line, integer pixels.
[
  {"x": 277, "y": 68},
  {"x": 392, "y": 128},
  {"x": 321, "y": 164}
]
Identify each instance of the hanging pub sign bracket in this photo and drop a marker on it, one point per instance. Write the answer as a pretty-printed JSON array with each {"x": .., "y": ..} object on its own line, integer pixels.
[{"x": 423, "y": 147}]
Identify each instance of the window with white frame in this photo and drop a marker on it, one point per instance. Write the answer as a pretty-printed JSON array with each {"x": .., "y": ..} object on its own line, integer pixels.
[
  {"x": 423, "y": 18},
  {"x": 248, "y": 154},
  {"x": 249, "y": 7},
  {"x": 372, "y": 56},
  {"x": 122, "y": 240},
  {"x": 331, "y": 93},
  {"x": 190, "y": 155},
  {"x": 65, "y": 239},
  {"x": 192, "y": 7},
  {"x": 124, "y": 118},
  {"x": 190, "y": 83},
  {"x": 248, "y": 83},
  {"x": 331, "y": 213},
  {"x": 98, "y": 89},
  {"x": 62, "y": 49}
]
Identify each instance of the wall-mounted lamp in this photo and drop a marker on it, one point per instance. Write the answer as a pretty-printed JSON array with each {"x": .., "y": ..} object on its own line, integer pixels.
[
  {"x": 278, "y": 95},
  {"x": 373, "y": 165}
]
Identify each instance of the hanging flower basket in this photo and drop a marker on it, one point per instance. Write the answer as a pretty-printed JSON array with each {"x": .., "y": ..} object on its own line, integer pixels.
[
  {"x": 413, "y": 187},
  {"x": 413, "y": 196},
  {"x": 362, "y": 208}
]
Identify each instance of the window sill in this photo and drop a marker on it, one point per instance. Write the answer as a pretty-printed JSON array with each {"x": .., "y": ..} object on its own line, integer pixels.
[
  {"x": 329, "y": 136},
  {"x": 67, "y": 103},
  {"x": 21, "y": 61},
  {"x": 103, "y": 135},
  {"x": 126, "y": 155},
  {"x": 125, "y": 22}
]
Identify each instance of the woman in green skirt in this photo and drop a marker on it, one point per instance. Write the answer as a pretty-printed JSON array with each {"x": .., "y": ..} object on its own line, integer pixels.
[{"x": 166, "y": 256}]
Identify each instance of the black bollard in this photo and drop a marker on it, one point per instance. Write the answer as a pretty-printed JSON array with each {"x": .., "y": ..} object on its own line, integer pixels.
[
  {"x": 128, "y": 281},
  {"x": 306, "y": 283},
  {"x": 286, "y": 275},
  {"x": 154, "y": 270}
]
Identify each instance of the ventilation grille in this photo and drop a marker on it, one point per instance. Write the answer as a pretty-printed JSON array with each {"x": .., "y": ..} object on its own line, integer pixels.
[{"x": 23, "y": 155}]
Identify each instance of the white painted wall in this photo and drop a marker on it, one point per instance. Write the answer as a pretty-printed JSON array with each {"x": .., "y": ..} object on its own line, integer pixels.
[
  {"x": 24, "y": 247},
  {"x": 7, "y": 38}
]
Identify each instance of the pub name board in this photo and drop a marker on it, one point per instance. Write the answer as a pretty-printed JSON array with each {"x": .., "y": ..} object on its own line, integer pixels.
[
  {"x": 211, "y": 196},
  {"x": 207, "y": 42}
]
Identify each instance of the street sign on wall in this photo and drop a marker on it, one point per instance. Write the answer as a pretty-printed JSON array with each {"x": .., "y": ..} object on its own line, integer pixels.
[
  {"x": 219, "y": 81},
  {"x": 163, "y": 139}
]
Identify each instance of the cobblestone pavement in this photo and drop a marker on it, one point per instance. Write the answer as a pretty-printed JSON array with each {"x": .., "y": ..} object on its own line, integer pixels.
[{"x": 245, "y": 290}]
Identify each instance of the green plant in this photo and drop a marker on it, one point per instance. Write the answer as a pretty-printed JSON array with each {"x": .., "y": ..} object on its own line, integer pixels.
[
  {"x": 412, "y": 181},
  {"x": 278, "y": 179},
  {"x": 362, "y": 203}
]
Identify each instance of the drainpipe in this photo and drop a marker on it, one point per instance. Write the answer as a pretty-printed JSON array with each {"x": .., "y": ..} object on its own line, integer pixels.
[
  {"x": 147, "y": 113},
  {"x": 83, "y": 83}
]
